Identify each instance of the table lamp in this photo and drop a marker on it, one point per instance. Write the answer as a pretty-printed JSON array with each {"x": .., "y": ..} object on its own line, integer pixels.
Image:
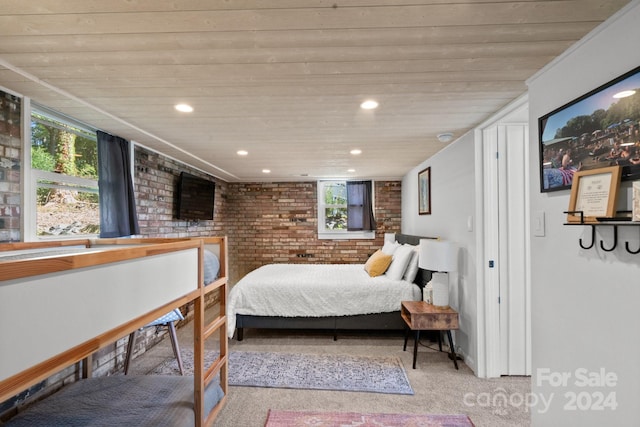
[{"x": 440, "y": 257}]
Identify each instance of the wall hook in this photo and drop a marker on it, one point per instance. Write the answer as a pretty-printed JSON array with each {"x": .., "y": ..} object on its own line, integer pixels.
[
  {"x": 626, "y": 246},
  {"x": 615, "y": 240},
  {"x": 593, "y": 239}
]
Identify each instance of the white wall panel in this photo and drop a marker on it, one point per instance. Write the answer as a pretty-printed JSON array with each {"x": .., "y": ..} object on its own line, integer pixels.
[
  {"x": 42, "y": 316},
  {"x": 584, "y": 302}
]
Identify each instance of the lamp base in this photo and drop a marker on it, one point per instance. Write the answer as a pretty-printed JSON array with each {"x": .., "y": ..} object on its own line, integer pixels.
[{"x": 440, "y": 283}]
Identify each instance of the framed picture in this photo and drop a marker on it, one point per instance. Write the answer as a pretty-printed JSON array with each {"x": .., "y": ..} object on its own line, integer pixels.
[
  {"x": 424, "y": 192},
  {"x": 599, "y": 129},
  {"x": 594, "y": 194}
]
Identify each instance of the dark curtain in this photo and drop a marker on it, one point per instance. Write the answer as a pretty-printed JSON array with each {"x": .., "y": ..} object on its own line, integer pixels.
[
  {"x": 360, "y": 206},
  {"x": 118, "y": 216}
]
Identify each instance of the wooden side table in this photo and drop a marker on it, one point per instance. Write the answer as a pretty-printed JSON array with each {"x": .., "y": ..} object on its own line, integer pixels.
[{"x": 420, "y": 316}]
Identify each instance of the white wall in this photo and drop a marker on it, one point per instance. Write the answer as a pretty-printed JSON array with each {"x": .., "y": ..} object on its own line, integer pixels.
[
  {"x": 452, "y": 205},
  {"x": 585, "y": 303}
]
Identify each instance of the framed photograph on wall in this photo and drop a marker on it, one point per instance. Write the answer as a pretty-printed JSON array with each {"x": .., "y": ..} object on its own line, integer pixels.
[
  {"x": 424, "y": 192},
  {"x": 594, "y": 194},
  {"x": 599, "y": 129}
]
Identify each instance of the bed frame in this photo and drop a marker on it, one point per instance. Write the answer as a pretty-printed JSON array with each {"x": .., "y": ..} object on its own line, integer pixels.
[
  {"x": 119, "y": 285},
  {"x": 376, "y": 321}
]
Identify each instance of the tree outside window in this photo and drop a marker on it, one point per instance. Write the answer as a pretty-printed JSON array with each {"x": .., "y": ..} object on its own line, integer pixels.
[
  {"x": 335, "y": 205},
  {"x": 333, "y": 211},
  {"x": 64, "y": 163}
]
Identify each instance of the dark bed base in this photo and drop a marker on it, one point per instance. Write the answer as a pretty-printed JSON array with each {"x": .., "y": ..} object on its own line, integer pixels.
[{"x": 378, "y": 321}]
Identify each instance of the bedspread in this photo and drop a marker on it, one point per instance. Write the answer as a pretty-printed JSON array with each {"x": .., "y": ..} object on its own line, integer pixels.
[{"x": 315, "y": 290}]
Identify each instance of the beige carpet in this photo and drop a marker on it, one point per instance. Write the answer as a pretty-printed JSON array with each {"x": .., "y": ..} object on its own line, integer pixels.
[{"x": 438, "y": 387}]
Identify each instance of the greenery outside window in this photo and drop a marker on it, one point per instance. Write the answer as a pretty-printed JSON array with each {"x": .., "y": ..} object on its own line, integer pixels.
[
  {"x": 64, "y": 165},
  {"x": 332, "y": 212}
]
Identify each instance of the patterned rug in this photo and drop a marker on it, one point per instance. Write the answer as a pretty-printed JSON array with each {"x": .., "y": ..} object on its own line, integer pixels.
[
  {"x": 347, "y": 419},
  {"x": 305, "y": 371}
]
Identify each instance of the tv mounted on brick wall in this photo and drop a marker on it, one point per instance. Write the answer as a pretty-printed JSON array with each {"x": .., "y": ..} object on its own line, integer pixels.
[{"x": 195, "y": 197}]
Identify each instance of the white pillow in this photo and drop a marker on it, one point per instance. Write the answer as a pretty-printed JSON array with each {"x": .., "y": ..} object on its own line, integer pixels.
[
  {"x": 390, "y": 247},
  {"x": 211, "y": 267},
  {"x": 412, "y": 268},
  {"x": 401, "y": 258}
]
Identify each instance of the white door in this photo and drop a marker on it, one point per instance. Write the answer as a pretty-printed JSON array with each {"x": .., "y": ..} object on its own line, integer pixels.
[
  {"x": 505, "y": 248},
  {"x": 489, "y": 263},
  {"x": 513, "y": 213}
]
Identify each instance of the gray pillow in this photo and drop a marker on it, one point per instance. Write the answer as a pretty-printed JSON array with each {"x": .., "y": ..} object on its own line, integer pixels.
[{"x": 211, "y": 266}]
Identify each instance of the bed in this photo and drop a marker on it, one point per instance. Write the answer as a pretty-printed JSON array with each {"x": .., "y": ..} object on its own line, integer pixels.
[
  {"x": 327, "y": 296},
  {"x": 52, "y": 323}
]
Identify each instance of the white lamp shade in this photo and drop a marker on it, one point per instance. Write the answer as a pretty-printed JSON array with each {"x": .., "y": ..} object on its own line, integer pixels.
[{"x": 438, "y": 255}]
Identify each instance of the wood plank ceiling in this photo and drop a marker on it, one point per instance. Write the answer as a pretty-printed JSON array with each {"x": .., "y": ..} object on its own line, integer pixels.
[{"x": 283, "y": 79}]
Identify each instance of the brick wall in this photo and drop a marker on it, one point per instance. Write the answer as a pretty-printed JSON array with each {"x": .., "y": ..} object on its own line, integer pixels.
[
  {"x": 264, "y": 222},
  {"x": 10, "y": 150},
  {"x": 155, "y": 182},
  {"x": 277, "y": 223}
]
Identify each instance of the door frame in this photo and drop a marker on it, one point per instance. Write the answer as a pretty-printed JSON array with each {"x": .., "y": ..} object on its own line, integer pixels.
[{"x": 488, "y": 309}]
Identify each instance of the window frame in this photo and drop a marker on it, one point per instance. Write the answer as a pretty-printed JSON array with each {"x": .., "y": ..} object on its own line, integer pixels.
[
  {"x": 325, "y": 234},
  {"x": 32, "y": 176}
]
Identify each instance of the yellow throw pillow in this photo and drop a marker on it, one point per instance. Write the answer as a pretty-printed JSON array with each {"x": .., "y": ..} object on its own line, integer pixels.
[{"x": 377, "y": 263}]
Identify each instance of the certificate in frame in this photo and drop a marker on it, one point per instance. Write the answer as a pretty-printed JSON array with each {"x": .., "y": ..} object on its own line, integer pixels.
[{"x": 594, "y": 194}]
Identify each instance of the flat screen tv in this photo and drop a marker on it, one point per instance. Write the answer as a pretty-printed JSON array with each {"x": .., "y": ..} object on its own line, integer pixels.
[
  {"x": 195, "y": 197},
  {"x": 597, "y": 130}
]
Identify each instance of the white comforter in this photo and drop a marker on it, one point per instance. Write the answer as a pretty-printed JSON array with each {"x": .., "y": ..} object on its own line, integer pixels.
[{"x": 315, "y": 290}]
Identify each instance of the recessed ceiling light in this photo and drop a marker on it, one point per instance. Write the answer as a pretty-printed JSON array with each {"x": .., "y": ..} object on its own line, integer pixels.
[
  {"x": 242, "y": 152},
  {"x": 184, "y": 108},
  {"x": 445, "y": 137},
  {"x": 266, "y": 171},
  {"x": 624, "y": 94},
  {"x": 351, "y": 170},
  {"x": 356, "y": 151},
  {"x": 369, "y": 105}
]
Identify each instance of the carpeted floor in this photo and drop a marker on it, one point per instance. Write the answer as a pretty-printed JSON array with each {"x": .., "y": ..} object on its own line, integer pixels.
[
  {"x": 343, "y": 419},
  {"x": 438, "y": 387},
  {"x": 304, "y": 371}
]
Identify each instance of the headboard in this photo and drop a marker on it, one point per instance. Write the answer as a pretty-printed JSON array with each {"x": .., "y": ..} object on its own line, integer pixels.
[{"x": 423, "y": 276}]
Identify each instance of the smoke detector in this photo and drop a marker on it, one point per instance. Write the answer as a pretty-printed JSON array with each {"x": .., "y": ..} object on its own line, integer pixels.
[{"x": 445, "y": 137}]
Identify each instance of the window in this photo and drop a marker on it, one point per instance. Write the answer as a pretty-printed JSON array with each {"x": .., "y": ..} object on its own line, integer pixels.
[
  {"x": 64, "y": 176},
  {"x": 333, "y": 208}
]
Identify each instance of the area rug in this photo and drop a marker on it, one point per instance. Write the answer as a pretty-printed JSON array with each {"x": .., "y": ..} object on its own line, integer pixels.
[
  {"x": 346, "y": 419},
  {"x": 305, "y": 371}
]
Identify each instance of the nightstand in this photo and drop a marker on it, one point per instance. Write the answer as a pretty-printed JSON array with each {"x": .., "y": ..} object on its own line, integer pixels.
[{"x": 420, "y": 316}]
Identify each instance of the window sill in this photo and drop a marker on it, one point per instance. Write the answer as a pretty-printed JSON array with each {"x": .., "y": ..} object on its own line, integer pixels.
[
  {"x": 349, "y": 235},
  {"x": 64, "y": 237}
]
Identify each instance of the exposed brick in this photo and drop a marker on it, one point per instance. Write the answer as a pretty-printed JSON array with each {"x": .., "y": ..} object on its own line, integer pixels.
[
  {"x": 253, "y": 220},
  {"x": 10, "y": 150}
]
